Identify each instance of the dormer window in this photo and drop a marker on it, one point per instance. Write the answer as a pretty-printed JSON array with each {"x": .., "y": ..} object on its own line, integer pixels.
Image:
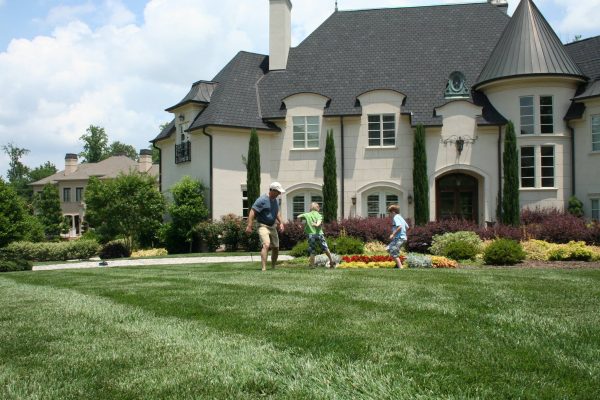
[{"x": 456, "y": 86}]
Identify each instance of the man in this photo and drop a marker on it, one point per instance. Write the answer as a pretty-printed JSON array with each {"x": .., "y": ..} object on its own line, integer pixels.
[{"x": 266, "y": 211}]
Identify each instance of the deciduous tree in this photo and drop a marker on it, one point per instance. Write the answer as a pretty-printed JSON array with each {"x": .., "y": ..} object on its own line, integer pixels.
[
  {"x": 95, "y": 144},
  {"x": 48, "y": 211}
]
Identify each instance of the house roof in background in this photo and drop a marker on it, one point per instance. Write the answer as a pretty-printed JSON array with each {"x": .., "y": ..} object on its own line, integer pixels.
[
  {"x": 108, "y": 168},
  {"x": 528, "y": 46}
]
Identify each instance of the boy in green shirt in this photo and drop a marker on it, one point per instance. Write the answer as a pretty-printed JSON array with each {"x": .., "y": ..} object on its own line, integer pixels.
[{"x": 314, "y": 230}]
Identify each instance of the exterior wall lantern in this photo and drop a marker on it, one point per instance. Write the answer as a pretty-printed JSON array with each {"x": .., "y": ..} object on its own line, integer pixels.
[
  {"x": 409, "y": 199},
  {"x": 353, "y": 200},
  {"x": 459, "y": 142}
]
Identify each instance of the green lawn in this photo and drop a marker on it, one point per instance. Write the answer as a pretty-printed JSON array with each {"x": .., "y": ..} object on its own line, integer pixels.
[{"x": 228, "y": 331}]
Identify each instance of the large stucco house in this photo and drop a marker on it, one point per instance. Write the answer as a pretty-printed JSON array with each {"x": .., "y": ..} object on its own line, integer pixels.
[
  {"x": 73, "y": 180},
  {"x": 462, "y": 71}
]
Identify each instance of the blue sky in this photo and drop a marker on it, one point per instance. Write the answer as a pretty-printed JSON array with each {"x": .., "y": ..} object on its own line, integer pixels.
[{"x": 66, "y": 64}]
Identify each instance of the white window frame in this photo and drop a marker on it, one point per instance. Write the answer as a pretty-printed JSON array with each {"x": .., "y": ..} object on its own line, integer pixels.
[
  {"x": 381, "y": 133},
  {"x": 595, "y": 123},
  {"x": 306, "y": 126},
  {"x": 307, "y": 196},
  {"x": 595, "y": 208},
  {"x": 383, "y": 201},
  {"x": 522, "y": 115},
  {"x": 245, "y": 205},
  {"x": 529, "y": 168}
]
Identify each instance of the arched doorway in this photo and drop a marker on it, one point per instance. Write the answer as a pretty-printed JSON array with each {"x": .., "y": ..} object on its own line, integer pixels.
[{"x": 457, "y": 197}]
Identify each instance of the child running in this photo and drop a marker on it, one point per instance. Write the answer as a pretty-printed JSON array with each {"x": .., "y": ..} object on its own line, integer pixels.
[
  {"x": 314, "y": 230},
  {"x": 398, "y": 236}
]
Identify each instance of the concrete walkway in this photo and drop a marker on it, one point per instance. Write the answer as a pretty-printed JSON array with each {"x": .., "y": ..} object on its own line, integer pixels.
[{"x": 155, "y": 261}]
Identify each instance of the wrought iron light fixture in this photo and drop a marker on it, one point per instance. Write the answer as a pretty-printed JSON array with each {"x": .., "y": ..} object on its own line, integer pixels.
[
  {"x": 459, "y": 142},
  {"x": 410, "y": 199}
]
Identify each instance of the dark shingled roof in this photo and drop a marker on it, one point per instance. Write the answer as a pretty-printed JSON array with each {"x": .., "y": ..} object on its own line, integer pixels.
[
  {"x": 586, "y": 54},
  {"x": 166, "y": 132},
  {"x": 235, "y": 102},
  {"x": 528, "y": 46},
  {"x": 200, "y": 93},
  {"x": 412, "y": 50}
]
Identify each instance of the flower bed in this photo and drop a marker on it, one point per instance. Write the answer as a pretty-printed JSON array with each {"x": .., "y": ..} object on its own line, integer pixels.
[{"x": 365, "y": 261}]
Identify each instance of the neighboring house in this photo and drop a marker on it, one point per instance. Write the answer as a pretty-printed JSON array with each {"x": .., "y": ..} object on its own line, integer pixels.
[
  {"x": 72, "y": 181},
  {"x": 463, "y": 71}
]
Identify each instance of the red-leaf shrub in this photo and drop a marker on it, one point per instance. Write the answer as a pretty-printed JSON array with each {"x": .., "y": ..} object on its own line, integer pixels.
[
  {"x": 594, "y": 229},
  {"x": 293, "y": 233},
  {"x": 501, "y": 231}
]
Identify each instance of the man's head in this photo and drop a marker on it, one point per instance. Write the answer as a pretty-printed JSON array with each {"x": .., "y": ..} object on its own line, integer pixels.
[{"x": 276, "y": 189}]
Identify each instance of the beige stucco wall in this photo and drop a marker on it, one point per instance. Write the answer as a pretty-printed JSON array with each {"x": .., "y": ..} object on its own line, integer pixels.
[
  {"x": 587, "y": 167},
  {"x": 504, "y": 96}
]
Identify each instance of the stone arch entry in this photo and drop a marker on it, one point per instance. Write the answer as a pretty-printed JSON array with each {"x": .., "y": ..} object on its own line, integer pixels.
[{"x": 457, "y": 196}]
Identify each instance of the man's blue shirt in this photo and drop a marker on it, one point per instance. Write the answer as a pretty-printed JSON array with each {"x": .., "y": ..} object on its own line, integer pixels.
[{"x": 266, "y": 209}]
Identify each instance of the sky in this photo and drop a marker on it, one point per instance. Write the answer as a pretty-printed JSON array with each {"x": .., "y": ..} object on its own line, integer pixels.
[{"x": 69, "y": 64}]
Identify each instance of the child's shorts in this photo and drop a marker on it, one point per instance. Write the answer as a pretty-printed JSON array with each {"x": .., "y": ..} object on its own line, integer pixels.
[
  {"x": 394, "y": 247},
  {"x": 315, "y": 238}
]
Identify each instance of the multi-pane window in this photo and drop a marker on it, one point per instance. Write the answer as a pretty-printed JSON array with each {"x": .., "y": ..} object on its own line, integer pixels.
[
  {"x": 67, "y": 195},
  {"x": 546, "y": 115},
  {"x": 378, "y": 203},
  {"x": 547, "y": 162},
  {"x": 527, "y": 118},
  {"x": 528, "y": 166},
  {"x": 306, "y": 132},
  {"x": 596, "y": 209},
  {"x": 79, "y": 194},
  {"x": 382, "y": 130},
  {"x": 301, "y": 203},
  {"x": 596, "y": 133}
]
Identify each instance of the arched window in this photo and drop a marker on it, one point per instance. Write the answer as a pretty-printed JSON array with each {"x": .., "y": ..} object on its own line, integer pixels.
[
  {"x": 301, "y": 201},
  {"x": 377, "y": 201}
]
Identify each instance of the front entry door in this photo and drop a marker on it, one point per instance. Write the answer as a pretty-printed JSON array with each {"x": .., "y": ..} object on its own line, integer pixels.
[{"x": 457, "y": 197}]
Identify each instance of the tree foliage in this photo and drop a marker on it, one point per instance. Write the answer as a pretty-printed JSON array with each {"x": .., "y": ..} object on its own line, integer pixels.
[
  {"x": 117, "y": 148},
  {"x": 48, "y": 211},
  {"x": 330, "y": 195},
  {"x": 510, "y": 192},
  {"x": 43, "y": 171},
  {"x": 129, "y": 206},
  {"x": 187, "y": 209},
  {"x": 95, "y": 144},
  {"x": 253, "y": 169},
  {"x": 18, "y": 173},
  {"x": 12, "y": 215},
  {"x": 420, "y": 181}
]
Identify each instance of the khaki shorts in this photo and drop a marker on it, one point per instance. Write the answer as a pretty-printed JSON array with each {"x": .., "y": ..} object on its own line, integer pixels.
[{"x": 268, "y": 235}]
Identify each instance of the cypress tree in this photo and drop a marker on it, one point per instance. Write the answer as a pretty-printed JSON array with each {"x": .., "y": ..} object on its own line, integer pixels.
[
  {"x": 253, "y": 169},
  {"x": 420, "y": 182},
  {"x": 510, "y": 192},
  {"x": 330, "y": 197}
]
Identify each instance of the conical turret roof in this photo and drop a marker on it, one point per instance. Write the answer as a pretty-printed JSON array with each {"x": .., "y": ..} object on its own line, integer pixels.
[{"x": 528, "y": 46}]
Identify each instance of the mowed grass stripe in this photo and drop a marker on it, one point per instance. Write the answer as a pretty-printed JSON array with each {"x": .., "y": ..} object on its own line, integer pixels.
[{"x": 295, "y": 333}]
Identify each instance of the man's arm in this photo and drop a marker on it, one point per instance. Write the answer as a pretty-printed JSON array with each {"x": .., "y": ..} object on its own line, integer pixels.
[
  {"x": 250, "y": 220},
  {"x": 279, "y": 221}
]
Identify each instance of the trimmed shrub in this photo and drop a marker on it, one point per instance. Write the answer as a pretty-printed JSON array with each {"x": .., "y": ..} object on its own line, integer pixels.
[
  {"x": 233, "y": 228},
  {"x": 503, "y": 252},
  {"x": 460, "y": 245},
  {"x": 115, "y": 249},
  {"x": 572, "y": 251},
  {"x": 420, "y": 238},
  {"x": 538, "y": 250},
  {"x": 208, "y": 233},
  {"x": 149, "y": 253},
  {"x": 346, "y": 245},
  {"x": 293, "y": 233},
  {"x": 53, "y": 251},
  {"x": 375, "y": 247},
  {"x": 300, "y": 249},
  {"x": 442, "y": 262},
  {"x": 15, "y": 265}
]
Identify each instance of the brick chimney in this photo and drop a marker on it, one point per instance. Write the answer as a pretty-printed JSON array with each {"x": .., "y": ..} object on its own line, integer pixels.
[
  {"x": 145, "y": 160},
  {"x": 280, "y": 33},
  {"x": 70, "y": 163}
]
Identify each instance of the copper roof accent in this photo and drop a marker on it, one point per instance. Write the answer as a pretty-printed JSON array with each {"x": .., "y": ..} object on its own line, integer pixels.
[{"x": 528, "y": 46}]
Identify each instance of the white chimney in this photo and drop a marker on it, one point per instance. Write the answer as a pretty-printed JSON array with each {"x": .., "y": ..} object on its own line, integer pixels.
[
  {"x": 145, "y": 160},
  {"x": 280, "y": 33},
  {"x": 70, "y": 163},
  {"x": 501, "y": 4}
]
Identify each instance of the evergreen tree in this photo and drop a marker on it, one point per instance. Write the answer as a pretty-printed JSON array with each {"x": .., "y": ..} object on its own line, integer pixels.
[
  {"x": 420, "y": 182},
  {"x": 48, "y": 212},
  {"x": 253, "y": 169},
  {"x": 13, "y": 216},
  {"x": 510, "y": 192},
  {"x": 187, "y": 209},
  {"x": 330, "y": 197}
]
